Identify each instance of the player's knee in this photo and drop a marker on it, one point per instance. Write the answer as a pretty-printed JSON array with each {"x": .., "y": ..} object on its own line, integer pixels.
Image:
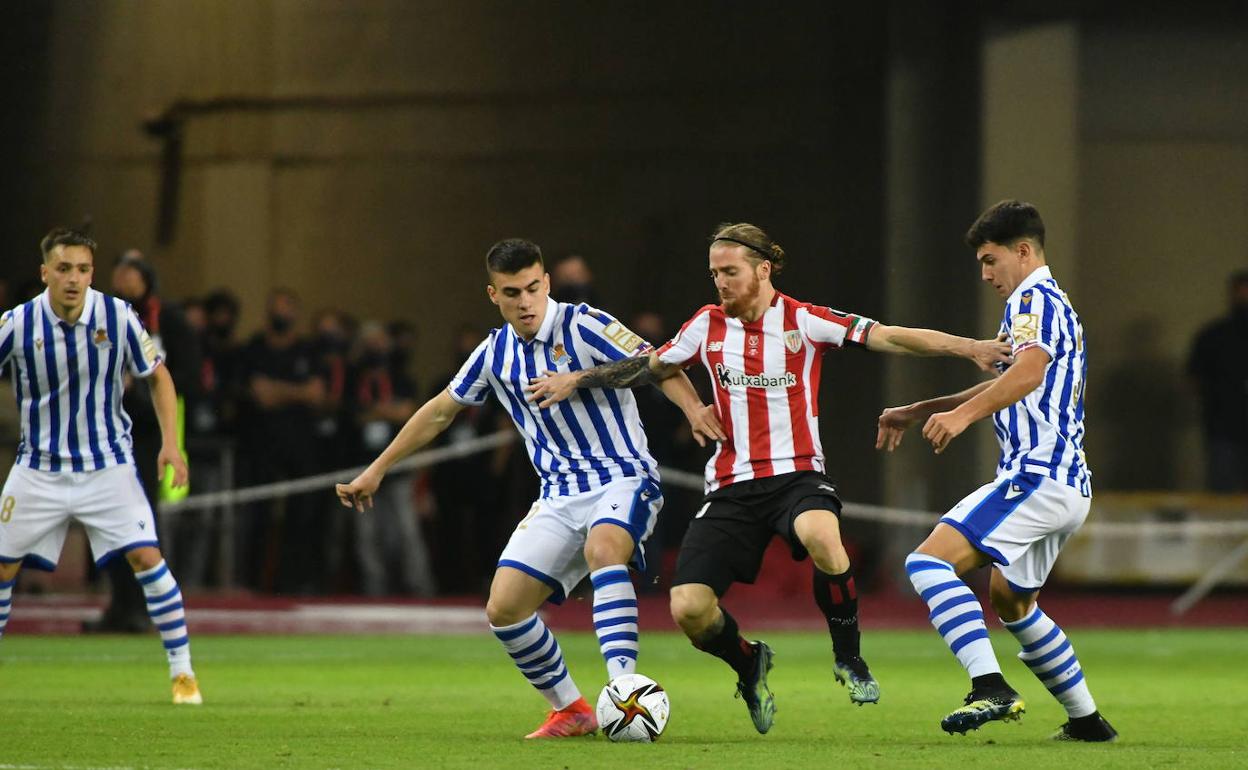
[
  {"x": 143, "y": 559},
  {"x": 501, "y": 613},
  {"x": 1008, "y": 605},
  {"x": 611, "y": 549},
  {"x": 9, "y": 570},
  {"x": 691, "y": 608}
]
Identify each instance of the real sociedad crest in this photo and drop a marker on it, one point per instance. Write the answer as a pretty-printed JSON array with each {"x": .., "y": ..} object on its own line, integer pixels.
[{"x": 793, "y": 341}]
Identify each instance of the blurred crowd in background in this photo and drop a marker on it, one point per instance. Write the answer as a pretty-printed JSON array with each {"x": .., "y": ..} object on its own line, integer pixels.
[
  {"x": 316, "y": 392},
  {"x": 313, "y": 393}
]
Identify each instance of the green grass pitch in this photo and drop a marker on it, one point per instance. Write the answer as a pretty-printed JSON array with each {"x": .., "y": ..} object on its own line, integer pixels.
[{"x": 1178, "y": 698}]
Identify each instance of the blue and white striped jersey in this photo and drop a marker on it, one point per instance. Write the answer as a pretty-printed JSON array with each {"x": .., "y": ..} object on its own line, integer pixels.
[
  {"x": 68, "y": 379},
  {"x": 1043, "y": 433},
  {"x": 586, "y": 441}
]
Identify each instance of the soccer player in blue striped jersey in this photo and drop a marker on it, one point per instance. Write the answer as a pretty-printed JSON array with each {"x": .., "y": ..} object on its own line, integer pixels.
[
  {"x": 599, "y": 485},
  {"x": 71, "y": 348},
  {"x": 1039, "y": 498}
]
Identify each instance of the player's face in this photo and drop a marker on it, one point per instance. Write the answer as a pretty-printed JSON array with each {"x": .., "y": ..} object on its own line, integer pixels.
[
  {"x": 1002, "y": 266},
  {"x": 67, "y": 271},
  {"x": 737, "y": 281},
  {"x": 521, "y": 298}
]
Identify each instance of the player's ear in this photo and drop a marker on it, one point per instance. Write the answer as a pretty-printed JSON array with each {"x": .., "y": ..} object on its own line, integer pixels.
[{"x": 492, "y": 293}]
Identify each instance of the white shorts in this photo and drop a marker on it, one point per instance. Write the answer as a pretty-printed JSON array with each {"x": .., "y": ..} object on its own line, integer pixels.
[
  {"x": 37, "y": 506},
  {"x": 1021, "y": 521},
  {"x": 549, "y": 543}
]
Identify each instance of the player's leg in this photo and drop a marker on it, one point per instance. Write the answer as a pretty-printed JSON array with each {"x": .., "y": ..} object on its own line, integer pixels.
[
  {"x": 8, "y": 579},
  {"x": 33, "y": 524},
  {"x": 1052, "y": 516},
  {"x": 541, "y": 561},
  {"x": 819, "y": 532},
  {"x": 958, "y": 544},
  {"x": 724, "y": 544},
  {"x": 168, "y": 613},
  {"x": 118, "y": 519},
  {"x": 512, "y": 611},
  {"x": 623, "y": 514}
]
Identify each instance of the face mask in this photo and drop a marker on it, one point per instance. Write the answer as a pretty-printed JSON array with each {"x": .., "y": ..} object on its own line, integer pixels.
[{"x": 280, "y": 323}]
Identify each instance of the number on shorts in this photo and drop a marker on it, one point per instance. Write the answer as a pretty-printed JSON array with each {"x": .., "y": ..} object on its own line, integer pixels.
[
  {"x": 6, "y": 509},
  {"x": 524, "y": 523}
]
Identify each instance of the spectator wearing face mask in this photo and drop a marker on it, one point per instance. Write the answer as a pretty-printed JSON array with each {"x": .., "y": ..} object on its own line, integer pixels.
[
  {"x": 572, "y": 281},
  {"x": 281, "y": 394}
]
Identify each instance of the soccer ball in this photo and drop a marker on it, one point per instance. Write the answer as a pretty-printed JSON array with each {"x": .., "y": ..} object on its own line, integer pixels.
[{"x": 633, "y": 708}]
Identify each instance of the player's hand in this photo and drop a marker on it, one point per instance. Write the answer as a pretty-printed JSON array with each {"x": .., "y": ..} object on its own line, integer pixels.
[
  {"x": 705, "y": 424},
  {"x": 359, "y": 493},
  {"x": 891, "y": 426},
  {"x": 988, "y": 353},
  {"x": 171, "y": 456},
  {"x": 549, "y": 388},
  {"x": 943, "y": 427}
]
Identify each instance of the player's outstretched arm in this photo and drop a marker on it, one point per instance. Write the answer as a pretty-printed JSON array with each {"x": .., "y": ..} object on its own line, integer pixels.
[
  {"x": 895, "y": 420},
  {"x": 1020, "y": 379},
  {"x": 928, "y": 342},
  {"x": 165, "y": 403},
  {"x": 421, "y": 428},
  {"x": 552, "y": 387}
]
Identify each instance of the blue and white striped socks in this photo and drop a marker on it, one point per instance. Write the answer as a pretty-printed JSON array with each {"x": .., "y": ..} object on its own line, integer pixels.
[
  {"x": 6, "y": 602},
  {"x": 536, "y": 653},
  {"x": 1049, "y": 655},
  {"x": 954, "y": 611},
  {"x": 615, "y": 619},
  {"x": 164, "y": 605}
]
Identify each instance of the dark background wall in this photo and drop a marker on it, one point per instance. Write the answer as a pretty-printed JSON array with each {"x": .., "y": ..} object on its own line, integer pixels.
[{"x": 367, "y": 154}]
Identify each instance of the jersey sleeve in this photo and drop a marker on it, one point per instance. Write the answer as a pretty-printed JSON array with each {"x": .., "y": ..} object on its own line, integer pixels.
[
  {"x": 826, "y": 327},
  {"x": 608, "y": 339},
  {"x": 682, "y": 349},
  {"x": 142, "y": 356},
  {"x": 1036, "y": 323},
  {"x": 471, "y": 384},
  {"x": 6, "y": 336}
]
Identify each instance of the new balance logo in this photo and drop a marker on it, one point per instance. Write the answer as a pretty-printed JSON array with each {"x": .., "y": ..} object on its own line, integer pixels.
[
  {"x": 828, "y": 487},
  {"x": 714, "y": 347},
  {"x": 1014, "y": 491}
]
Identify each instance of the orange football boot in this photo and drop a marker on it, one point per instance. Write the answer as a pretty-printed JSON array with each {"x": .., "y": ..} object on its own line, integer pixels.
[{"x": 577, "y": 719}]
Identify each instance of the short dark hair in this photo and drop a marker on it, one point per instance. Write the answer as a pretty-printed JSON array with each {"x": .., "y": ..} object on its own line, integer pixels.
[
  {"x": 758, "y": 245},
  {"x": 65, "y": 236},
  {"x": 512, "y": 255},
  {"x": 1005, "y": 223}
]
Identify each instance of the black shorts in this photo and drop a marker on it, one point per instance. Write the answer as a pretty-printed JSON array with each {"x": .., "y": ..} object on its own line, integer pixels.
[{"x": 726, "y": 540}]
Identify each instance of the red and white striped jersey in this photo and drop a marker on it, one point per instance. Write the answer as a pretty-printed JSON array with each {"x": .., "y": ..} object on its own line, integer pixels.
[{"x": 765, "y": 376}]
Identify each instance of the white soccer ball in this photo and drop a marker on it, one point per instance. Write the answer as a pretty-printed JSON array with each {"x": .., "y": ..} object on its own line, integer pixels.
[{"x": 633, "y": 708}]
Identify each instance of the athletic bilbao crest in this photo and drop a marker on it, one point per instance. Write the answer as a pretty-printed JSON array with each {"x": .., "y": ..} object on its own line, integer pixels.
[{"x": 793, "y": 341}]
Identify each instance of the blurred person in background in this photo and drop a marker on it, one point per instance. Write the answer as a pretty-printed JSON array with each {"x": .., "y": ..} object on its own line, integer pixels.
[
  {"x": 1218, "y": 364},
  {"x": 219, "y": 376},
  {"x": 134, "y": 280},
  {"x": 468, "y": 491},
  {"x": 572, "y": 281},
  {"x": 672, "y": 444},
  {"x": 390, "y": 545},
  {"x": 281, "y": 395}
]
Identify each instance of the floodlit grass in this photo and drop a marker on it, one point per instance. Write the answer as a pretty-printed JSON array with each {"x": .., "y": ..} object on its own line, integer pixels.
[{"x": 1176, "y": 697}]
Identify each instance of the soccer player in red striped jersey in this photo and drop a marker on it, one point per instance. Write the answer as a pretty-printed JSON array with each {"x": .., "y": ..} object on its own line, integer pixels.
[{"x": 763, "y": 350}]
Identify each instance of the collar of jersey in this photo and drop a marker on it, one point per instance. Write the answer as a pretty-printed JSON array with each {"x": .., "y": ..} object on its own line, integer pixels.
[
  {"x": 1037, "y": 275},
  {"x": 88, "y": 308}
]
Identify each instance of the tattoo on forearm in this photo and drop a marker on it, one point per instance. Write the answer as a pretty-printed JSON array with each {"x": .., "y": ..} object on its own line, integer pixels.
[{"x": 629, "y": 373}]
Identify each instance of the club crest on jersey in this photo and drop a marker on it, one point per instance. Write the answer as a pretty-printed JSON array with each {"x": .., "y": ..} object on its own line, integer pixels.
[
  {"x": 558, "y": 355},
  {"x": 101, "y": 338},
  {"x": 793, "y": 341}
]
